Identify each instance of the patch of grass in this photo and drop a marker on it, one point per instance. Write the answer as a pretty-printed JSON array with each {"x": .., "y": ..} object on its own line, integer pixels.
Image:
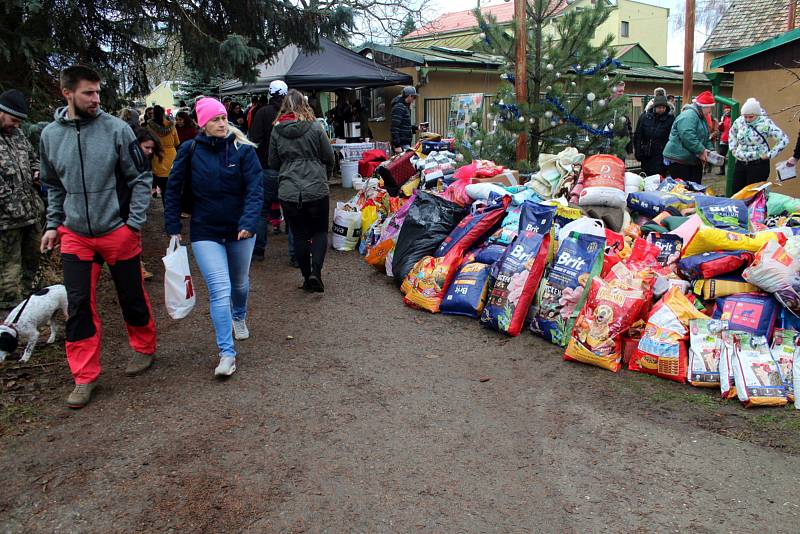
[
  {"x": 698, "y": 399},
  {"x": 786, "y": 420},
  {"x": 14, "y": 414}
]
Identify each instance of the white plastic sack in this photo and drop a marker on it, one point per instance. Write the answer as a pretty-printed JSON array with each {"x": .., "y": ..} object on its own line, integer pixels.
[
  {"x": 481, "y": 191},
  {"x": 633, "y": 182},
  {"x": 346, "y": 227},
  {"x": 584, "y": 225},
  {"x": 178, "y": 289},
  {"x": 651, "y": 182}
]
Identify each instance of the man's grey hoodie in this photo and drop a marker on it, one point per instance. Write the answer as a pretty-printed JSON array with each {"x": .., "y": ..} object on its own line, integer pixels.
[{"x": 97, "y": 176}]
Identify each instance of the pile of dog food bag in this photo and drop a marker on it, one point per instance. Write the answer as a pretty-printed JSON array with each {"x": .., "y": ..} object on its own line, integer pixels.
[{"x": 651, "y": 274}]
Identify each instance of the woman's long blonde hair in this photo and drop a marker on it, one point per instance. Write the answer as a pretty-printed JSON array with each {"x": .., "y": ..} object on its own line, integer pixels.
[
  {"x": 295, "y": 102},
  {"x": 240, "y": 137}
]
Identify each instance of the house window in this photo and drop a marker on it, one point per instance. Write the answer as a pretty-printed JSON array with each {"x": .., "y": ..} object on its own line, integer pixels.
[
  {"x": 374, "y": 101},
  {"x": 625, "y": 29}
]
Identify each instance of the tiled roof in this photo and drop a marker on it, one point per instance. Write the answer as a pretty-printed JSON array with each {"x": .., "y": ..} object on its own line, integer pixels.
[
  {"x": 465, "y": 20},
  {"x": 454, "y": 41},
  {"x": 747, "y": 22}
]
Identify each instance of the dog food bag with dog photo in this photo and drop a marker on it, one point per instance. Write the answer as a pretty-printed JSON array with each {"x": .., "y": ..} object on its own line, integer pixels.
[
  {"x": 727, "y": 387},
  {"x": 565, "y": 286},
  {"x": 756, "y": 374},
  {"x": 467, "y": 293},
  {"x": 662, "y": 349},
  {"x": 610, "y": 310},
  {"x": 705, "y": 349},
  {"x": 670, "y": 246},
  {"x": 784, "y": 348},
  {"x": 516, "y": 275}
]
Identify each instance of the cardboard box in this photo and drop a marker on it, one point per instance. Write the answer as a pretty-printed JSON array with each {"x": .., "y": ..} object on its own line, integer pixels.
[{"x": 507, "y": 178}]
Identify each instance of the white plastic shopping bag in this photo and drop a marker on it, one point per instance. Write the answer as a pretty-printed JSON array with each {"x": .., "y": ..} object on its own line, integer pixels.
[
  {"x": 346, "y": 227},
  {"x": 178, "y": 289}
]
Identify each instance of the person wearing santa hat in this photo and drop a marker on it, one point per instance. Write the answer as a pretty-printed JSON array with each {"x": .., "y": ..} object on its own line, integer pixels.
[
  {"x": 749, "y": 143},
  {"x": 690, "y": 140}
]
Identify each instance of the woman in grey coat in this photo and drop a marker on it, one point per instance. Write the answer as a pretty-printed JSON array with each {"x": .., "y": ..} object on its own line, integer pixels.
[{"x": 300, "y": 151}]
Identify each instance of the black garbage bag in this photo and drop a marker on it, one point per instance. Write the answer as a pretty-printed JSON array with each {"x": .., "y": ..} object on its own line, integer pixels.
[{"x": 429, "y": 220}]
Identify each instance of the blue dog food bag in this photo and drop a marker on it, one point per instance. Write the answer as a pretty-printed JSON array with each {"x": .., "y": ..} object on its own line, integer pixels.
[
  {"x": 748, "y": 312},
  {"x": 564, "y": 287},
  {"x": 467, "y": 293},
  {"x": 723, "y": 213}
]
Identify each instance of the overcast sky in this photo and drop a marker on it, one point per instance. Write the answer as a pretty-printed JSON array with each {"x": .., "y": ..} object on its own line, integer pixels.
[{"x": 674, "y": 40}]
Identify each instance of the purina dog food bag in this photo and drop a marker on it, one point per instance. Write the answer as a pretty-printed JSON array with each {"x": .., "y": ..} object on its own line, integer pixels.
[
  {"x": 784, "y": 348},
  {"x": 662, "y": 349},
  {"x": 748, "y": 312},
  {"x": 705, "y": 350},
  {"x": 610, "y": 310},
  {"x": 758, "y": 378},
  {"x": 564, "y": 287},
  {"x": 516, "y": 275},
  {"x": 467, "y": 293}
]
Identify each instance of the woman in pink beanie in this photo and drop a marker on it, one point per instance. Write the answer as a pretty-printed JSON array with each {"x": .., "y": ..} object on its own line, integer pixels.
[{"x": 218, "y": 174}]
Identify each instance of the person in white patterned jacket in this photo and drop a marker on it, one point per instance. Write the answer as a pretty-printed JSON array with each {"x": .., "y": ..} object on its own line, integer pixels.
[{"x": 749, "y": 143}]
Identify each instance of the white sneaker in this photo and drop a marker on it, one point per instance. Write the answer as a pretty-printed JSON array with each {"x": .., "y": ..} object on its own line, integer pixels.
[
  {"x": 226, "y": 367},
  {"x": 240, "y": 330}
]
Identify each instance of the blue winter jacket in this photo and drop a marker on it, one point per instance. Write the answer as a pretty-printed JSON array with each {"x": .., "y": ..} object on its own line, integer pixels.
[{"x": 227, "y": 188}]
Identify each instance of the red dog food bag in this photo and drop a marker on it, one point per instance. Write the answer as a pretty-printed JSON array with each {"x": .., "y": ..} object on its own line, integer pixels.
[{"x": 610, "y": 310}]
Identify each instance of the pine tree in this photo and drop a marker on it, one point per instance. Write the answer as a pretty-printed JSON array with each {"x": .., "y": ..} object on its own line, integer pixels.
[
  {"x": 409, "y": 25},
  {"x": 569, "y": 86}
]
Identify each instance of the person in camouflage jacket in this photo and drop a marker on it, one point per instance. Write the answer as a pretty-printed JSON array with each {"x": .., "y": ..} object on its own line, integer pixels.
[{"x": 20, "y": 205}]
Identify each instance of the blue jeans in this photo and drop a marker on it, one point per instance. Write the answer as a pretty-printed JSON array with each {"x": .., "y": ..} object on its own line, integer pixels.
[
  {"x": 269, "y": 178},
  {"x": 226, "y": 270}
]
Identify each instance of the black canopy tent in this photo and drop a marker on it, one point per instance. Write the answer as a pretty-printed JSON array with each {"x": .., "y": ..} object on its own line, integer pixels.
[{"x": 329, "y": 68}]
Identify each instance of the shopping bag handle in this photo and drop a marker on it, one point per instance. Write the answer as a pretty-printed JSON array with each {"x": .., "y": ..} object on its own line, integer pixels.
[{"x": 174, "y": 244}]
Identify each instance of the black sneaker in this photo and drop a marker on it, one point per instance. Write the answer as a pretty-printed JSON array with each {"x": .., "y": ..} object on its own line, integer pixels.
[
  {"x": 293, "y": 263},
  {"x": 258, "y": 257},
  {"x": 316, "y": 284}
]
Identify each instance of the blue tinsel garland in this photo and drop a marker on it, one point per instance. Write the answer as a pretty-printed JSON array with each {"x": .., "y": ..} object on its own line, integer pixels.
[
  {"x": 575, "y": 120},
  {"x": 593, "y": 70}
]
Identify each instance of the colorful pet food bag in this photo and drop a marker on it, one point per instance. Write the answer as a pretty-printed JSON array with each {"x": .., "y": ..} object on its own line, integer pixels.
[
  {"x": 705, "y": 350},
  {"x": 758, "y": 378},
  {"x": 603, "y": 178},
  {"x": 610, "y": 309},
  {"x": 713, "y": 264},
  {"x": 467, "y": 293},
  {"x": 670, "y": 246},
  {"x": 662, "y": 349},
  {"x": 727, "y": 387},
  {"x": 748, "y": 312},
  {"x": 784, "y": 350},
  {"x": 516, "y": 275},
  {"x": 723, "y": 213},
  {"x": 565, "y": 286}
]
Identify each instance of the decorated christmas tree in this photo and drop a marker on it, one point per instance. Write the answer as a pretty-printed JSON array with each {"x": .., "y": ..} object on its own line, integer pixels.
[{"x": 570, "y": 86}]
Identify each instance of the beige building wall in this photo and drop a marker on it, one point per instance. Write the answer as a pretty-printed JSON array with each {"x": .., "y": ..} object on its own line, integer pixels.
[
  {"x": 648, "y": 25},
  {"x": 162, "y": 95},
  {"x": 752, "y": 84}
]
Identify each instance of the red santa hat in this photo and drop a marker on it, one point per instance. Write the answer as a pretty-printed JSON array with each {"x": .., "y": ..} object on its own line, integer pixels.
[{"x": 705, "y": 99}]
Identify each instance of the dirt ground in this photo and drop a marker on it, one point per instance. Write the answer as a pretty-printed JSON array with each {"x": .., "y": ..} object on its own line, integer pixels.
[{"x": 352, "y": 413}]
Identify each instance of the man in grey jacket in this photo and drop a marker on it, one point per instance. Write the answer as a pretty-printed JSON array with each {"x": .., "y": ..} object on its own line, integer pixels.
[{"x": 99, "y": 185}]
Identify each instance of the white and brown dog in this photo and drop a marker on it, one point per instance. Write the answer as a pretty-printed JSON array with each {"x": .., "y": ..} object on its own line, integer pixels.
[{"x": 31, "y": 314}]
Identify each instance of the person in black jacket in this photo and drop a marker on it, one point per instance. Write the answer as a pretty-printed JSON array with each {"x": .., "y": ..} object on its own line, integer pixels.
[
  {"x": 402, "y": 130},
  {"x": 796, "y": 154},
  {"x": 651, "y": 136},
  {"x": 260, "y": 133}
]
